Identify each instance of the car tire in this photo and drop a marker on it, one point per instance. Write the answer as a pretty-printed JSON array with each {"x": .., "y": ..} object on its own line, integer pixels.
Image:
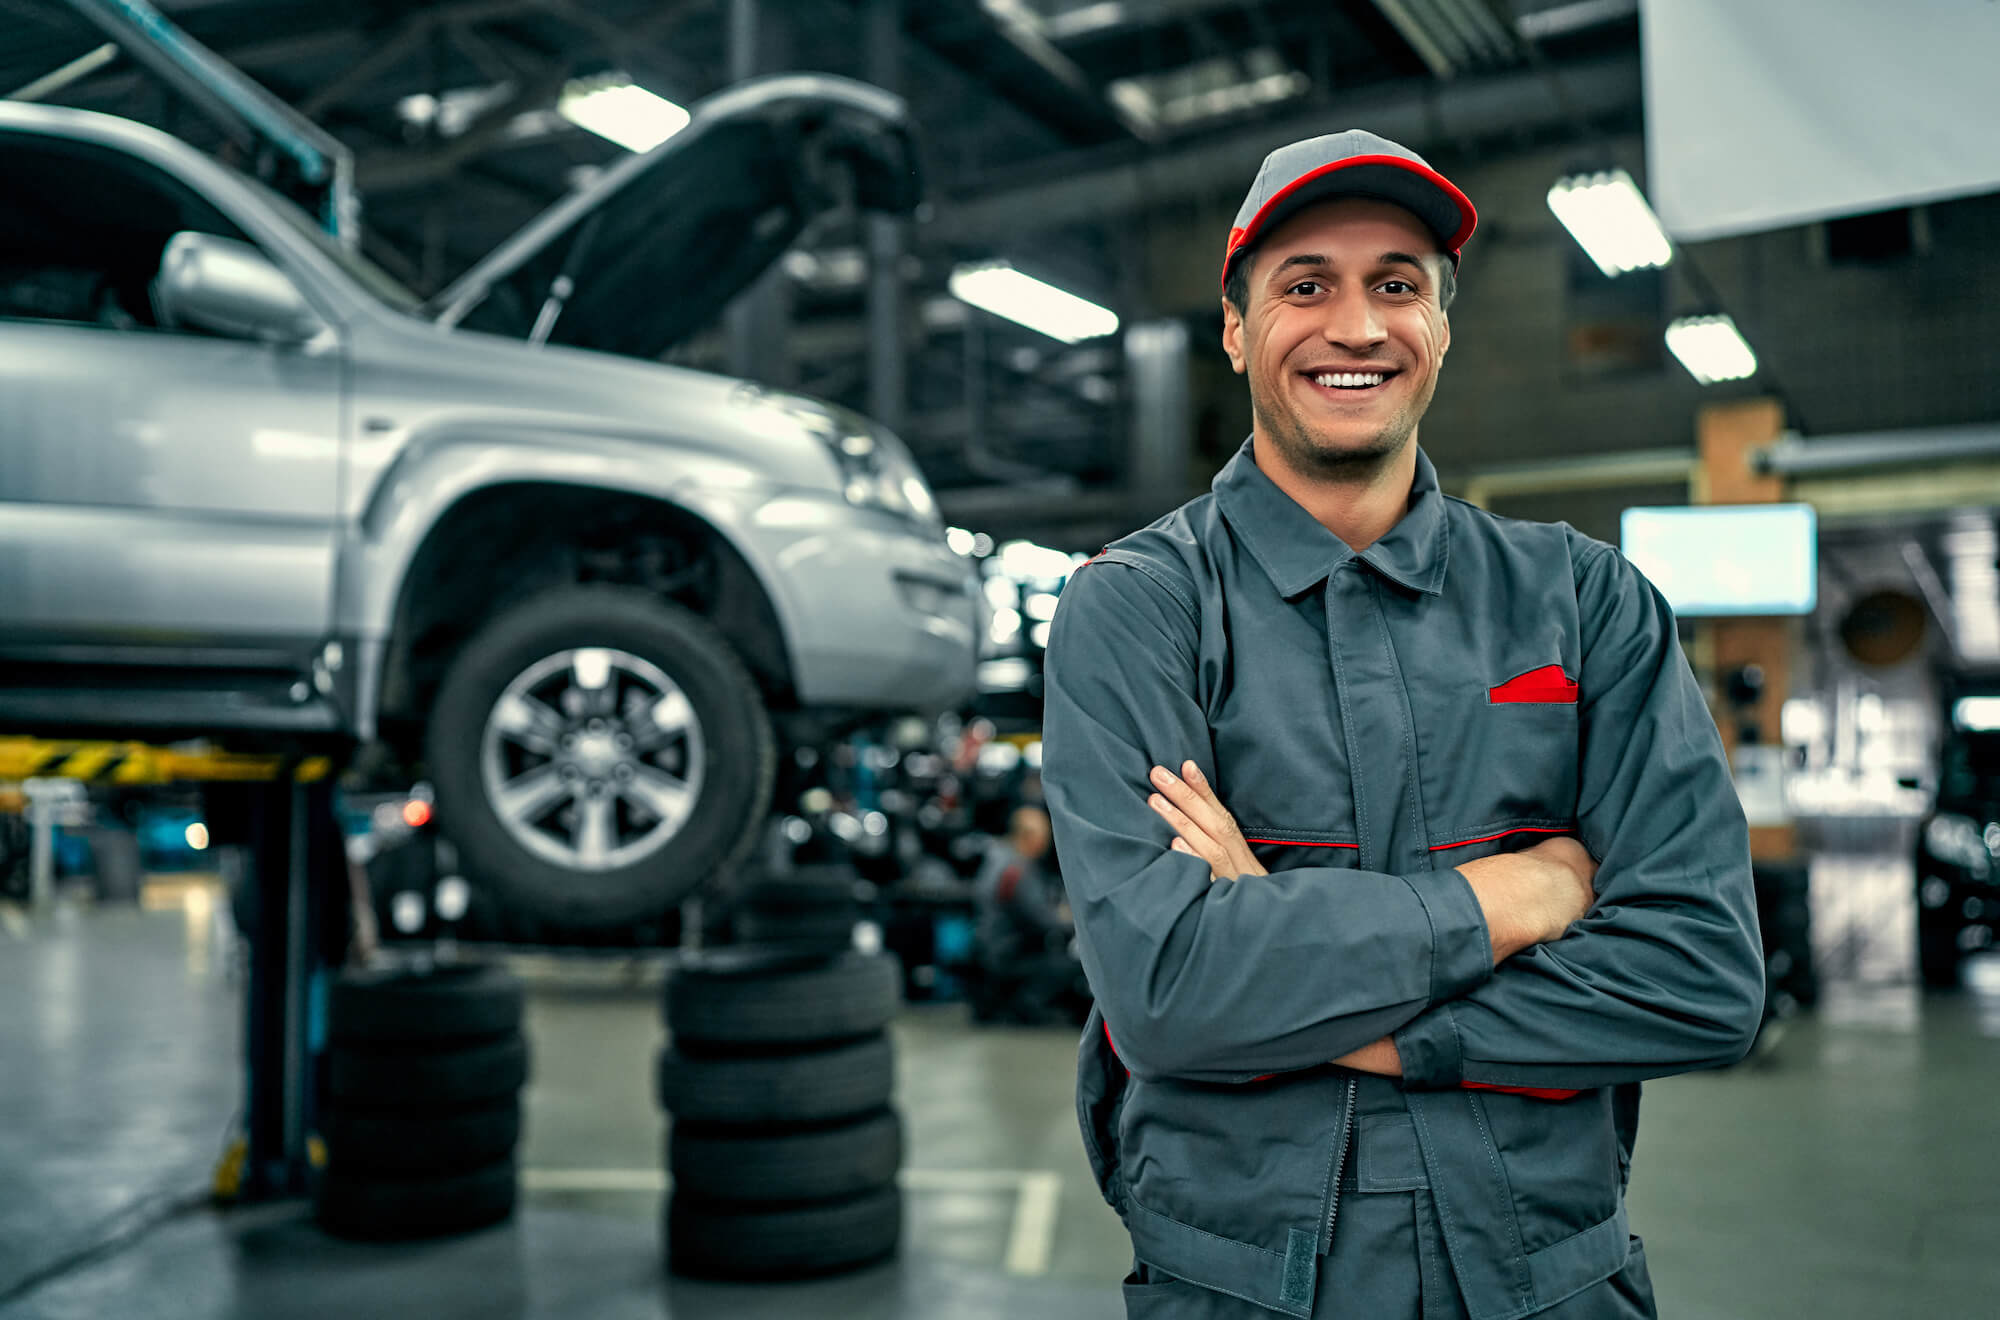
[
  {"x": 420, "y": 1142},
  {"x": 425, "y": 1077},
  {"x": 1938, "y": 954},
  {"x": 768, "y": 995},
  {"x": 724, "y": 1240},
  {"x": 534, "y": 862},
  {"x": 815, "y": 1086},
  {"x": 448, "y": 1003},
  {"x": 382, "y": 1208},
  {"x": 808, "y": 1164}
]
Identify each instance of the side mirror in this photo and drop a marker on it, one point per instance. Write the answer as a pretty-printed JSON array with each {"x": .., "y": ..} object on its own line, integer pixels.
[{"x": 229, "y": 287}]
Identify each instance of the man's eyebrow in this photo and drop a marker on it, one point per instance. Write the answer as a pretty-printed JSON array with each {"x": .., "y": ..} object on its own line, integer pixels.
[{"x": 1317, "y": 259}]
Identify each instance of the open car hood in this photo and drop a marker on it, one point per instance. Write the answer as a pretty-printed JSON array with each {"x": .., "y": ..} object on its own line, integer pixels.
[{"x": 657, "y": 246}]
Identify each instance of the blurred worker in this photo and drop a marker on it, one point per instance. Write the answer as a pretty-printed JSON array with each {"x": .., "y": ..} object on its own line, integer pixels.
[
  {"x": 1026, "y": 970},
  {"x": 1375, "y": 1051}
]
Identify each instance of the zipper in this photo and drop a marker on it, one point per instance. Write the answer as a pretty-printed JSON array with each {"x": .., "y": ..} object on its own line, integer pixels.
[{"x": 1340, "y": 1162}]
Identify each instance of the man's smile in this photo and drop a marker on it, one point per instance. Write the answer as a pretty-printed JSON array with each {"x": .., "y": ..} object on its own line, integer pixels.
[{"x": 1348, "y": 385}]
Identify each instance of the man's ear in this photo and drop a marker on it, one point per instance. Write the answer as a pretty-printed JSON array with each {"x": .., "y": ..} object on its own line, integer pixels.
[
  {"x": 1232, "y": 336},
  {"x": 1444, "y": 344}
]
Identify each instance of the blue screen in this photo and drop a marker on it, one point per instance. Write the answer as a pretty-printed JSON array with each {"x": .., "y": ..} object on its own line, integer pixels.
[{"x": 1720, "y": 560}]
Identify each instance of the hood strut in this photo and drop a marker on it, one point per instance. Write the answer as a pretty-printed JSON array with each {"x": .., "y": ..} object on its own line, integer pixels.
[{"x": 564, "y": 284}]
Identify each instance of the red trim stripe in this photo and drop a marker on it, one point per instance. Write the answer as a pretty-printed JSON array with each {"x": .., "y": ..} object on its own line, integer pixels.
[
  {"x": 1524, "y": 829},
  {"x": 1533, "y": 1092}
]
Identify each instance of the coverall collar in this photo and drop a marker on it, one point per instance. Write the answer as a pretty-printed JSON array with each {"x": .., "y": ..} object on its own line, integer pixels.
[{"x": 1296, "y": 551}]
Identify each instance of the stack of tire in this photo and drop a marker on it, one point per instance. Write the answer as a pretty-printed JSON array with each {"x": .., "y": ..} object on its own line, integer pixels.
[
  {"x": 423, "y": 1108},
  {"x": 814, "y": 906},
  {"x": 784, "y": 1146}
]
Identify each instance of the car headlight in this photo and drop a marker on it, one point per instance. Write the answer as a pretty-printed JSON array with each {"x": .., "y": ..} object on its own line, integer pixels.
[
  {"x": 1958, "y": 840},
  {"x": 876, "y": 471}
]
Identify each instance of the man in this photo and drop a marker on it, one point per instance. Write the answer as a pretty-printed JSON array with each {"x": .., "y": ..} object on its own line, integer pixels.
[
  {"x": 1399, "y": 838},
  {"x": 1026, "y": 972}
]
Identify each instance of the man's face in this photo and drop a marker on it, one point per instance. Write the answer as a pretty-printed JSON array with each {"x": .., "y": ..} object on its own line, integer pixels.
[{"x": 1341, "y": 290}]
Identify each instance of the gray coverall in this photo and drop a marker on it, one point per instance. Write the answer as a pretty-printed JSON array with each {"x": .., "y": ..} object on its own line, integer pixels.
[{"x": 1468, "y": 684}]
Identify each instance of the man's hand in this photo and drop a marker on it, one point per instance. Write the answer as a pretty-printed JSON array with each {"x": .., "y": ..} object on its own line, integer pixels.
[
  {"x": 1379, "y": 1057},
  {"x": 1532, "y": 896},
  {"x": 1205, "y": 827}
]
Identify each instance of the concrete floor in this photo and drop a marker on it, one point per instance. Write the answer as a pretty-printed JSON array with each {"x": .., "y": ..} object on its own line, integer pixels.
[{"x": 1850, "y": 1173}]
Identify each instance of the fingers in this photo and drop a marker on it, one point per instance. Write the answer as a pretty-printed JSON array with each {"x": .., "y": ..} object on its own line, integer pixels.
[
  {"x": 1197, "y": 800},
  {"x": 1203, "y": 843}
]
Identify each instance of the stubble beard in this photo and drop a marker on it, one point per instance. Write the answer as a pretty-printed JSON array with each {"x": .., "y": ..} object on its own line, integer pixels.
[{"x": 1318, "y": 461}]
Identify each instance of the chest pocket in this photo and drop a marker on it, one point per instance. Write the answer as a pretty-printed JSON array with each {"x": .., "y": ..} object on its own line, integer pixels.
[
  {"x": 1290, "y": 849},
  {"x": 1499, "y": 745}
]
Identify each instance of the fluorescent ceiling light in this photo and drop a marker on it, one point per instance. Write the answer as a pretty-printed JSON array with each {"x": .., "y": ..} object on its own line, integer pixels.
[
  {"x": 619, "y": 109},
  {"x": 1977, "y": 714},
  {"x": 1608, "y": 215},
  {"x": 1004, "y": 291},
  {"x": 1084, "y": 18},
  {"x": 1711, "y": 349}
]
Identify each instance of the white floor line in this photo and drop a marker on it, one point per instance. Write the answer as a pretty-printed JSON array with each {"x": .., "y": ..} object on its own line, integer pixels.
[
  {"x": 594, "y": 1180},
  {"x": 1037, "y": 1197},
  {"x": 1034, "y": 1235}
]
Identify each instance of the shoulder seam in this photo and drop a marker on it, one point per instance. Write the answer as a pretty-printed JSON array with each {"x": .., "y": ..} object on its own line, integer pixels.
[{"x": 1134, "y": 561}]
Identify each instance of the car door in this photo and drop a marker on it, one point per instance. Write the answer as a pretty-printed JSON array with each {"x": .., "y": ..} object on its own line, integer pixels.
[{"x": 167, "y": 497}]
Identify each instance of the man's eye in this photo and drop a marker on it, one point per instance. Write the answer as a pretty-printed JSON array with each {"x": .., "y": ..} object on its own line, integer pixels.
[
  {"x": 1406, "y": 286},
  {"x": 1305, "y": 287}
]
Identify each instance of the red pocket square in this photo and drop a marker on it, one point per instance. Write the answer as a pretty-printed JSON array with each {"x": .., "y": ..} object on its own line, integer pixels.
[{"x": 1548, "y": 683}]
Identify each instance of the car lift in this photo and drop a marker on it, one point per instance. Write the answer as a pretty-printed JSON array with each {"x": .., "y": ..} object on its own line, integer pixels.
[{"x": 278, "y": 808}]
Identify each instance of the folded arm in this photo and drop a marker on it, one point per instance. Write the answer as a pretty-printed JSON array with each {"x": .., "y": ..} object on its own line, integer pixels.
[
  {"x": 1207, "y": 981},
  {"x": 1665, "y": 972}
]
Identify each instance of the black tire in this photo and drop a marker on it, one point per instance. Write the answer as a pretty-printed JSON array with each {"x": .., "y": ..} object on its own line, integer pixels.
[
  {"x": 815, "y": 887},
  {"x": 764, "y": 1090},
  {"x": 385, "y": 1209},
  {"x": 718, "y": 1240},
  {"x": 740, "y": 755},
  {"x": 450, "y": 1003},
  {"x": 827, "y": 930},
  {"x": 812, "y": 1164},
  {"x": 412, "y": 1142},
  {"x": 756, "y": 995},
  {"x": 1938, "y": 954},
  {"x": 426, "y": 1078}
]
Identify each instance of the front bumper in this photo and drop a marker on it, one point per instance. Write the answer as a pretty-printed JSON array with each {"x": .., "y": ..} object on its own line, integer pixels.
[{"x": 877, "y": 614}]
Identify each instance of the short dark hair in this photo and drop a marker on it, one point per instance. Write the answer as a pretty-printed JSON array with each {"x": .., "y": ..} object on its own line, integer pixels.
[{"x": 1236, "y": 289}]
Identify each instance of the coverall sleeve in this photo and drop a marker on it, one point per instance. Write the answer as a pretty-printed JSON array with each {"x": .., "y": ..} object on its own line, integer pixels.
[
  {"x": 1665, "y": 973},
  {"x": 1214, "y": 981}
]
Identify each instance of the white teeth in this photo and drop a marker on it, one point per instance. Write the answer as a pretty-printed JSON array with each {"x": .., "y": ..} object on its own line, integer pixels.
[{"x": 1348, "y": 380}]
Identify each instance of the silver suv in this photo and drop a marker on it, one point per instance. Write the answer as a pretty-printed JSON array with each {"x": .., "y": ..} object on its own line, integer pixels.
[{"x": 254, "y": 487}]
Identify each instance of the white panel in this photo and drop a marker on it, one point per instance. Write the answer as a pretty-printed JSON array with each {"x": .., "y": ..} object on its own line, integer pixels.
[{"x": 1766, "y": 113}]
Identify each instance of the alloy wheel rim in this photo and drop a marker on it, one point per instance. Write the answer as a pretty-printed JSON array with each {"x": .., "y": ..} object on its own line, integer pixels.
[{"x": 592, "y": 758}]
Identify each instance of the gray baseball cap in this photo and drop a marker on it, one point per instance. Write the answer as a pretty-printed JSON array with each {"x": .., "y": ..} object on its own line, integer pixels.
[{"x": 1354, "y": 163}]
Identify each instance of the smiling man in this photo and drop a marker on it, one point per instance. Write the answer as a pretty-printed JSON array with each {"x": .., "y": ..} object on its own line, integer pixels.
[{"x": 1399, "y": 840}]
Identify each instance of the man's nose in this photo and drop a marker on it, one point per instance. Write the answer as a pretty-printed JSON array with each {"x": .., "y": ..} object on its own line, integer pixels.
[{"x": 1353, "y": 321}]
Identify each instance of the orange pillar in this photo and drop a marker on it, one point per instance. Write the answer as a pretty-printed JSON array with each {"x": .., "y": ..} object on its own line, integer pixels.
[{"x": 1727, "y": 433}]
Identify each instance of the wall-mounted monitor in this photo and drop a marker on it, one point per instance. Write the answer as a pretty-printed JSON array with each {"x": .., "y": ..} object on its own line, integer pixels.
[{"x": 1727, "y": 559}]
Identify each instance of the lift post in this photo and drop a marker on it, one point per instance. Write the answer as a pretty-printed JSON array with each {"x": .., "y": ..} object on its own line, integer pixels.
[{"x": 270, "y": 816}]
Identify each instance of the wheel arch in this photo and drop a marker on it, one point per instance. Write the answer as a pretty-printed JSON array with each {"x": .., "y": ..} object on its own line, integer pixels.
[{"x": 500, "y": 543}]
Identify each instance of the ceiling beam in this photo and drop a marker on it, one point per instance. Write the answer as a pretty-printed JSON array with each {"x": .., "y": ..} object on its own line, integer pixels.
[{"x": 1091, "y": 185}]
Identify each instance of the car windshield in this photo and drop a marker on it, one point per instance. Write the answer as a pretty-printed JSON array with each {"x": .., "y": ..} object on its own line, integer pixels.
[{"x": 360, "y": 269}]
